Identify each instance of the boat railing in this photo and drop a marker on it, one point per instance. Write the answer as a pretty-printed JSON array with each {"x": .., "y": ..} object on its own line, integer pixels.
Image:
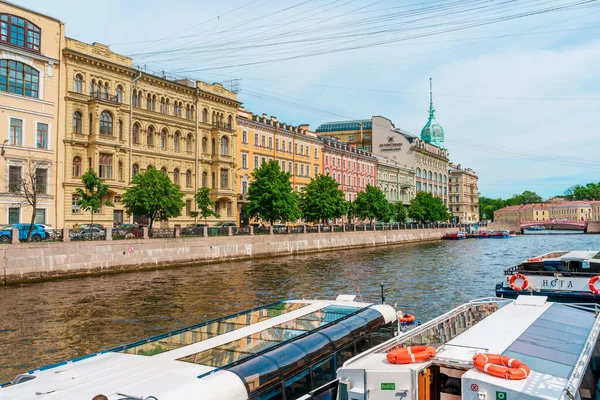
[
  {"x": 555, "y": 273},
  {"x": 576, "y": 377},
  {"x": 406, "y": 336}
]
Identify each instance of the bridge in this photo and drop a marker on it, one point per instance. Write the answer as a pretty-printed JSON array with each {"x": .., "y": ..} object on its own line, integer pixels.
[{"x": 554, "y": 224}]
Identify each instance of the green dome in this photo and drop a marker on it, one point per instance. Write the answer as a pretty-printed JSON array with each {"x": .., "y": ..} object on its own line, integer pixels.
[{"x": 432, "y": 132}]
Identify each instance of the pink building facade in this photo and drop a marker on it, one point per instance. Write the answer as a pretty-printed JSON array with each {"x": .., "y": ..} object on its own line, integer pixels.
[{"x": 352, "y": 168}]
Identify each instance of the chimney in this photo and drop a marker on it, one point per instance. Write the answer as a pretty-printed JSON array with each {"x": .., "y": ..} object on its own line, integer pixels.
[{"x": 273, "y": 118}]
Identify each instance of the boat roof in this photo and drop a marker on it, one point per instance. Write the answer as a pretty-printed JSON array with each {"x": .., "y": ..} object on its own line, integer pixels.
[
  {"x": 197, "y": 359},
  {"x": 576, "y": 255},
  {"x": 551, "y": 338}
]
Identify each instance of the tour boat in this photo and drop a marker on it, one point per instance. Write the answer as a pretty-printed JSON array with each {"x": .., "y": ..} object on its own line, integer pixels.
[
  {"x": 455, "y": 236},
  {"x": 487, "y": 349},
  {"x": 479, "y": 235},
  {"x": 279, "y": 351},
  {"x": 500, "y": 235},
  {"x": 560, "y": 275}
]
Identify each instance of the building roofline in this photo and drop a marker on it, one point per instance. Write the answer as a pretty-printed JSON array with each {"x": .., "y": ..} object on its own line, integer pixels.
[{"x": 31, "y": 11}]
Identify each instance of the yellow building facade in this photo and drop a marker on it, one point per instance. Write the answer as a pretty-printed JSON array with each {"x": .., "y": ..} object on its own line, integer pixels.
[
  {"x": 595, "y": 210},
  {"x": 463, "y": 194},
  {"x": 263, "y": 139},
  {"x": 185, "y": 129},
  {"x": 31, "y": 77},
  {"x": 571, "y": 211}
]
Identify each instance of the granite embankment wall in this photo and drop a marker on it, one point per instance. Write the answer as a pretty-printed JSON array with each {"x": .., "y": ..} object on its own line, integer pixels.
[
  {"x": 593, "y": 227},
  {"x": 43, "y": 260}
]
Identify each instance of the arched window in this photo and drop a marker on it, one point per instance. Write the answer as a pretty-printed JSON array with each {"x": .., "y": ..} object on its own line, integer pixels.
[
  {"x": 163, "y": 139},
  {"x": 19, "y": 78},
  {"x": 176, "y": 141},
  {"x": 192, "y": 113},
  {"x": 19, "y": 32},
  {"x": 150, "y": 136},
  {"x": 205, "y": 116},
  {"x": 204, "y": 145},
  {"x": 224, "y": 146},
  {"x": 188, "y": 143},
  {"x": 204, "y": 179},
  {"x": 163, "y": 170},
  {"x": 230, "y": 122},
  {"x": 188, "y": 178},
  {"x": 136, "y": 133},
  {"x": 176, "y": 176},
  {"x": 119, "y": 94},
  {"x": 77, "y": 122},
  {"x": 429, "y": 175},
  {"x": 106, "y": 124},
  {"x": 167, "y": 106},
  {"x": 78, "y": 84},
  {"x": 149, "y": 102},
  {"x": 149, "y": 167},
  {"x": 187, "y": 112},
  {"x": 76, "y": 167},
  {"x": 445, "y": 179},
  {"x": 105, "y": 92},
  {"x": 135, "y": 170},
  {"x": 93, "y": 87},
  {"x": 153, "y": 102},
  {"x": 135, "y": 98},
  {"x": 162, "y": 105},
  {"x": 435, "y": 176}
]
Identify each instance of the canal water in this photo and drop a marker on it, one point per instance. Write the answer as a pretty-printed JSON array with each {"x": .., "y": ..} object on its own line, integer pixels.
[{"x": 43, "y": 323}]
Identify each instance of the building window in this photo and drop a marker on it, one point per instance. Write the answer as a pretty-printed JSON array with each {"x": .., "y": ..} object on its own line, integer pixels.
[
  {"x": 270, "y": 142},
  {"x": 42, "y": 136},
  {"x": 77, "y": 122},
  {"x": 205, "y": 116},
  {"x": 224, "y": 146},
  {"x": 106, "y": 124},
  {"x": 224, "y": 179},
  {"x": 244, "y": 161},
  {"x": 74, "y": 207},
  {"x": 105, "y": 170},
  {"x": 41, "y": 180},
  {"x": 76, "y": 167},
  {"x": 204, "y": 179},
  {"x": 119, "y": 94},
  {"x": 316, "y": 171},
  {"x": 256, "y": 165},
  {"x": 136, "y": 133},
  {"x": 302, "y": 170},
  {"x": 135, "y": 170},
  {"x": 163, "y": 139},
  {"x": 244, "y": 187},
  {"x": 149, "y": 102},
  {"x": 14, "y": 178},
  {"x": 19, "y": 32},
  {"x": 457, "y": 209},
  {"x": 188, "y": 207},
  {"x": 245, "y": 137},
  {"x": 188, "y": 143},
  {"x": 16, "y": 132},
  {"x": 290, "y": 167},
  {"x": 256, "y": 139},
  {"x": 316, "y": 153},
  {"x": 14, "y": 215},
  {"x": 176, "y": 176},
  {"x": 188, "y": 178},
  {"x": 176, "y": 141},
  {"x": 263, "y": 141},
  {"x": 78, "y": 84},
  {"x": 283, "y": 145}
]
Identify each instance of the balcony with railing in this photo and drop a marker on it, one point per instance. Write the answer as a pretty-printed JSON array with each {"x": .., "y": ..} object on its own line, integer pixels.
[{"x": 104, "y": 96}]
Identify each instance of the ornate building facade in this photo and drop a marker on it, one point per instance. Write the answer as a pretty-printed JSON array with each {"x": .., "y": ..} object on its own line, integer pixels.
[
  {"x": 30, "y": 122},
  {"x": 396, "y": 181},
  {"x": 463, "y": 194},
  {"x": 261, "y": 139},
  {"x": 185, "y": 129},
  {"x": 352, "y": 168}
]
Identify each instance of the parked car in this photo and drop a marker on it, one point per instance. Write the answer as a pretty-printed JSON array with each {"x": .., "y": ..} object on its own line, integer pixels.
[
  {"x": 38, "y": 232},
  {"x": 84, "y": 226},
  {"x": 194, "y": 229},
  {"x": 225, "y": 224},
  {"x": 50, "y": 231},
  {"x": 87, "y": 233},
  {"x": 279, "y": 228},
  {"x": 127, "y": 231}
]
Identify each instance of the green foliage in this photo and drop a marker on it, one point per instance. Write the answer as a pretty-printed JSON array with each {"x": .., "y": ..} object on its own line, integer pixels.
[
  {"x": 152, "y": 194},
  {"x": 349, "y": 210},
  {"x": 90, "y": 198},
  {"x": 527, "y": 197},
  {"x": 400, "y": 212},
  {"x": 372, "y": 204},
  {"x": 590, "y": 191},
  {"x": 487, "y": 206},
  {"x": 270, "y": 195},
  {"x": 322, "y": 200},
  {"x": 205, "y": 206},
  {"x": 426, "y": 208}
]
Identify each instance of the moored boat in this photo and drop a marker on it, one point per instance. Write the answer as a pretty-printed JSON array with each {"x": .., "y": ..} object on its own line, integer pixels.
[
  {"x": 479, "y": 235},
  {"x": 500, "y": 235},
  {"x": 279, "y": 351},
  {"x": 560, "y": 275},
  {"x": 455, "y": 236},
  {"x": 488, "y": 349}
]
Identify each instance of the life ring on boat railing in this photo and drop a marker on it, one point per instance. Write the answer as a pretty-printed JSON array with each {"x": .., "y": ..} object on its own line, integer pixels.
[
  {"x": 406, "y": 318},
  {"x": 592, "y": 285},
  {"x": 501, "y": 366},
  {"x": 407, "y": 355},
  {"x": 535, "y": 259},
  {"x": 523, "y": 286}
]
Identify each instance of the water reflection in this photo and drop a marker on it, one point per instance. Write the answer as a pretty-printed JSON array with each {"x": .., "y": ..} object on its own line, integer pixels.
[{"x": 49, "y": 322}]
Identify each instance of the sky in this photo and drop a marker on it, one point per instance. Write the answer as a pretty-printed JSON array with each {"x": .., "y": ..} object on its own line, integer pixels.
[{"x": 516, "y": 86}]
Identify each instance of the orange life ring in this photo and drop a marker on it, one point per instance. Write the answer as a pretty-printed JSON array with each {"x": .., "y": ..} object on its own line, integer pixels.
[
  {"x": 535, "y": 259},
  {"x": 501, "y": 366},
  {"x": 407, "y": 318},
  {"x": 592, "y": 285},
  {"x": 407, "y": 355},
  {"x": 523, "y": 286}
]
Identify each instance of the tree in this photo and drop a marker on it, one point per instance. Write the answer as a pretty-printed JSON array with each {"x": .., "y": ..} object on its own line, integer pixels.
[
  {"x": 90, "y": 197},
  {"x": 153, "y": 195},
  {"x": 426, "y": 208},
  {"x": 205, "y": 206},
  {"x": 590, "y": 191},
  {"x": 270, "y": 195},
  {"x": 372, "y": 204},
  {"x": 527, "y": 197},
  {"x": 322, "y": 200},
  {"x": 29, "y": 184},
  {"x": 400, "y": 213}
]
